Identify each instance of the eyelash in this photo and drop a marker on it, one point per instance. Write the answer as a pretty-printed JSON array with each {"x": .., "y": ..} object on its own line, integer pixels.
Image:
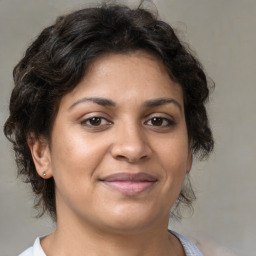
[
  {"x": 168, "y": 122},
  {"x": 103, "y": 123},
  {"x": 87, "y": 122}
]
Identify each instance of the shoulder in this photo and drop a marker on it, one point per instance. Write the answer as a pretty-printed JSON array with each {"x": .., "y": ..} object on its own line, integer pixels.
[
  {"x": 189, "y": 248},
  {"x": 35, "y": 250},
  {"x": 28, "y": 252},
  {"x": 206, "y": 246}
]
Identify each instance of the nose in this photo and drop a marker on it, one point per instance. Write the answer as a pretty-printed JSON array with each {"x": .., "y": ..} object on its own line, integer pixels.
[{"x": 130, "y": 144}]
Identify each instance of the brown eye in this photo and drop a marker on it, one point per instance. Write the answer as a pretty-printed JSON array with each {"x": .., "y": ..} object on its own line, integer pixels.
[
  {"x": 157, "y": 121},
  {"x": 160, "y": 122},
  {"x": 95, "y": 121}
]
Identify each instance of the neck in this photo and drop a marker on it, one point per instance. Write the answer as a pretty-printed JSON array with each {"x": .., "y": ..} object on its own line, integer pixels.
[{"x": 77, "y": 239}]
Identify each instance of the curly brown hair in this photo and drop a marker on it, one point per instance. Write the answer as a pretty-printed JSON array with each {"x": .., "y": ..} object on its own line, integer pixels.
[{"x": 57, "y": 60}]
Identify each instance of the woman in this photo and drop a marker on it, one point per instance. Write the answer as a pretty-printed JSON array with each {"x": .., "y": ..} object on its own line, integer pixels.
[{"x": 105, "y": 117}]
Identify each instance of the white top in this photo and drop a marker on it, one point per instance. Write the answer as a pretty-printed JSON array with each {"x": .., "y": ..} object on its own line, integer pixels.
[{"x": 189, "y": 248}]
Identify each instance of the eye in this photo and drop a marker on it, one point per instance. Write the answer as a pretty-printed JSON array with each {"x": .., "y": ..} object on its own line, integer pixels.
[
  {"x": 96, "y": 122},
  {"x": 160, "y": 122}
]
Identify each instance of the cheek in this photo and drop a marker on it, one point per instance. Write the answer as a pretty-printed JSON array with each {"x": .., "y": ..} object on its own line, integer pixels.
[
  {"x": 75, "y": 154},
  {"x": 174, "y": 153},
  {"x": 174, "y": 160}
]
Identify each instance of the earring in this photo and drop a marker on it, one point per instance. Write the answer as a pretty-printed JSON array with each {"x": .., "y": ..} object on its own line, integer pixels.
[{"x": 44, "y": 174}]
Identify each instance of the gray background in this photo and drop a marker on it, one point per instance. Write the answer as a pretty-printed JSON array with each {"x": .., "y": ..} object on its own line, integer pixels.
[{"x": 223, "y": 33}]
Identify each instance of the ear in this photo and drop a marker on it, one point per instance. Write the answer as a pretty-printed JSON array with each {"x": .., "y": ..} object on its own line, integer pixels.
[
  {"x": 189, "y": 161},
  {"x": 40, "y": 152}
]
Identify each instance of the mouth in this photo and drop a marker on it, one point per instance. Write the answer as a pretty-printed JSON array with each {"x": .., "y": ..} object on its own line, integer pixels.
[{"x": 129, "y": 183}]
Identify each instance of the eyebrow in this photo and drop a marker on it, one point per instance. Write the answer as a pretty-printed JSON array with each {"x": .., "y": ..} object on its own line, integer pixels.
[
  {"x": 162, "y": 101},
  {"x": 99, "y": 101},
  {"x": 110, "y": 103}
]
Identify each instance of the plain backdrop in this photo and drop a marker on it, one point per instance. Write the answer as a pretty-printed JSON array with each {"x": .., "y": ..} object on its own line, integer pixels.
[{"x": 223, "y": 35}]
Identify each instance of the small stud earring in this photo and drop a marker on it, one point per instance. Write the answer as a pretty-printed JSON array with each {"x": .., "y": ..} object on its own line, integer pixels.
[{"x": 44, "y": 174}]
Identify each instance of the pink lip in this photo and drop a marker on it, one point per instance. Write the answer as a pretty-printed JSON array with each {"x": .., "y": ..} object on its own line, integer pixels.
[{"x": 129, "y": 183}]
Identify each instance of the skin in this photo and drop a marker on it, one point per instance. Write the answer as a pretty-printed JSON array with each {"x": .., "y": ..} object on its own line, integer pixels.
[{"x": 130, "y": 136}]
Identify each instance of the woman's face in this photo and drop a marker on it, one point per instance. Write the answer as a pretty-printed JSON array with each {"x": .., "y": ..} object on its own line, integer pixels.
[{"x": 119, "y": 149}]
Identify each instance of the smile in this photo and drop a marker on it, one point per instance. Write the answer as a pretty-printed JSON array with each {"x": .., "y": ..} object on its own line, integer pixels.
[{"x": 128, "y": 183}]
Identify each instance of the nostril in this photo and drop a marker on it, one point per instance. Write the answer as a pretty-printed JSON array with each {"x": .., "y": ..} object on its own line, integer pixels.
[
  {"x": 132, "y": 147},
  {"x": 120, "y": 157},
  {"x": 144, "y": 157},
  {"x": 130, "y": 159}
]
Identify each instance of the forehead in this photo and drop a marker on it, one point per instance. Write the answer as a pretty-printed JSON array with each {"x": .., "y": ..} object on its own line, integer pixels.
[{"x": 137, "y": 75}]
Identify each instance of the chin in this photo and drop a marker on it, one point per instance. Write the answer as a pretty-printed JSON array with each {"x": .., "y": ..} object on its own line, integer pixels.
[{"x": 133, "y": 219}]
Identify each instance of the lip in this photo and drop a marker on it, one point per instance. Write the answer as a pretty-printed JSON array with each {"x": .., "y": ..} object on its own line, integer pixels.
[{"x": 129, "y": 183}]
